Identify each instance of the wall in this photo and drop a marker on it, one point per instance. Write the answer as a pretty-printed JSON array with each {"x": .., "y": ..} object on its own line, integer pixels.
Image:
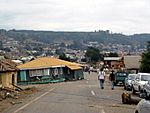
[{"x": 7, "y": 79}]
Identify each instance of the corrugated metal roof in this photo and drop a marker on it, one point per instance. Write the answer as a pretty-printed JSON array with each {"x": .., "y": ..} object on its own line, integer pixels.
[
  {"x": 112, "y": 58},
  {"x": 46, "y": 62},
  {"x": 132, "y": 62}
]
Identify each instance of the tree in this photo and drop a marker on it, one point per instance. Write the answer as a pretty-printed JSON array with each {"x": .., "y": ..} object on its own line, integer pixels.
[
  {"x": 145, "y": 62},
  {"x": 63, "y": 57},
  {"x": 93, "y": 54}
]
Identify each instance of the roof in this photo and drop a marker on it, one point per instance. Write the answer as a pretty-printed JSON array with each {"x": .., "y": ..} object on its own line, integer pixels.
[
  {"x": 7, "y": 65},
  {"x": 47, "y": 62},
  {"x": 74, "y": 67},
  {"x": 17, "y": 61},
  {"x": 112, "y": 58},
  {"x": 132, "y": 62}
]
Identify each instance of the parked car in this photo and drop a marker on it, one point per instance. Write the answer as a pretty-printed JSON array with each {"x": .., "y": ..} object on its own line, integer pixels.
[
  {"x": 140, "y": 80},
  {"x": 146, "y": 89},
  {"x": 128, "y": 81},
  {"x": 144, "y": 105},
  {"x": 120, "y": 77}
]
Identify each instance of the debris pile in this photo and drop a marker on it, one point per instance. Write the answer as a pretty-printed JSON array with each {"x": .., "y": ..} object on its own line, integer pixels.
[{"x": 128, "y": 99}]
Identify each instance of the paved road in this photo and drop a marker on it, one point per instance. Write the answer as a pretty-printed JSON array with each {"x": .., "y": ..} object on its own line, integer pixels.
[{"x": 82, "y": 96}]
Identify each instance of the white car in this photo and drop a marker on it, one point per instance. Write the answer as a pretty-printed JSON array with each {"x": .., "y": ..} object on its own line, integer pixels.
[
  {"x": 128, "y": 81},
  {"x": 143, "y": 106},
  {"x": 146, "y": 89},
  {"x": 140, "y": 80}
]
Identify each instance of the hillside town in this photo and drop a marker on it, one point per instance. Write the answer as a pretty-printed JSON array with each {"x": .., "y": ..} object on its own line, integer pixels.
[
  {"x": 17, "y": 50},
  {"x": 28, "y": 67}
]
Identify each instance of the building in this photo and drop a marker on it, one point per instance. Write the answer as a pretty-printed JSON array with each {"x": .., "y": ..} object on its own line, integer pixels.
[
  {"x": 132, "y": 63},
  {"x": 114, "y": 62},
  {"x": 47, "y": 69},
  {"x": 8, "y": 74}
]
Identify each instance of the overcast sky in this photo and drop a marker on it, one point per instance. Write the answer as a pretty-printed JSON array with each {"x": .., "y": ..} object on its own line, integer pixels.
[{"x": 121, "y": 16}]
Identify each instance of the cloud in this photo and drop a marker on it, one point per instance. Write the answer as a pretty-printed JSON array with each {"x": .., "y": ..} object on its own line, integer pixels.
[{"x": 127, "y": 16}]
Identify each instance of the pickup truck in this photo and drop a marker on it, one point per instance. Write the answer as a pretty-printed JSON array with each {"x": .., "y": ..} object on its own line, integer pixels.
[{"x": 120, "y": 77}]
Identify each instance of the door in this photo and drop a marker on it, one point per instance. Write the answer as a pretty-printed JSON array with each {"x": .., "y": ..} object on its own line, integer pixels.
[{"x": 13, "y": 79}]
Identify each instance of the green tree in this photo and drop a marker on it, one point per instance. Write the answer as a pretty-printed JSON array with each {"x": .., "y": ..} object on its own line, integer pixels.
[
  {"x": 145, "y": 62},
  {"x": 64, "y": 57},
  {"x": 93, "y": 54}
]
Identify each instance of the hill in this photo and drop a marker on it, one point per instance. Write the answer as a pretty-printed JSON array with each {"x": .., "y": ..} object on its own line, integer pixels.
[{"x": 58, "y": 37}]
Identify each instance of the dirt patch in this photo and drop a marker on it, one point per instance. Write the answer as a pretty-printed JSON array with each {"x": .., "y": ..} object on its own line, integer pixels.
[{"x": 7, "y": 99}]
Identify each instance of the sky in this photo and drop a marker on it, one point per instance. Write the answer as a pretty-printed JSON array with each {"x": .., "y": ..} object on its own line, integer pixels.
[{"x": 119, "y": 16}]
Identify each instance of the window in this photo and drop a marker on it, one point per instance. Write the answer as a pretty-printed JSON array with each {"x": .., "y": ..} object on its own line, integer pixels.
[
  {"x": 61, "y": 70},
  {"x": 56, "y": 71},
  {"x": 137, "y": 77},
  {"x": 145, "y": 77}
]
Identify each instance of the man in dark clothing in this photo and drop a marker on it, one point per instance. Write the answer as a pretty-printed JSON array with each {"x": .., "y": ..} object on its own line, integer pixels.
[{"x": 112, "y": 79}]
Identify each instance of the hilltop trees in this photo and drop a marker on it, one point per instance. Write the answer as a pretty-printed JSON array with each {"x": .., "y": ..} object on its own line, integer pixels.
[{"x": 145, "y": 62}]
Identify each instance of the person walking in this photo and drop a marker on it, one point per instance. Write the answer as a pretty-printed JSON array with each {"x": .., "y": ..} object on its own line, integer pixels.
[
  {"x": 101, "y": 77},
  {"x": 112, "y": 79}
]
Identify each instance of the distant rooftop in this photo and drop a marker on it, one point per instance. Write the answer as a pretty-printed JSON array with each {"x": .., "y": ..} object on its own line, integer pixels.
[
  {"x": 112, "y": 58},
  {"x": 132, "y": 62}
]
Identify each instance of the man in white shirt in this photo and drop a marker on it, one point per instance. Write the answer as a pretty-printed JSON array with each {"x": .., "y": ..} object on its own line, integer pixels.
[{"x": 101, "y": 77}]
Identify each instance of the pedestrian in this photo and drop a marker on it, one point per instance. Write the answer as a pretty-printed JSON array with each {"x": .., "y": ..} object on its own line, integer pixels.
[
  {"x": 112, "y": 79},
  {"x": 101, "y": 77}
]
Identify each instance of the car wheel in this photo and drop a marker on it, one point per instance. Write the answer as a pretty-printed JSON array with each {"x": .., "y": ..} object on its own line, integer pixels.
[
  {"x": 125, "y": 88},
  {"x": 140, "y": 89},
  {"x": 133, "y": 90}
]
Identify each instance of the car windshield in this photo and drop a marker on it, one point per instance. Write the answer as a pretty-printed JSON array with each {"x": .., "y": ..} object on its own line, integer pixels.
[
  {"x": 145, "y": 77},
  {"x": 131, "y": 77}
]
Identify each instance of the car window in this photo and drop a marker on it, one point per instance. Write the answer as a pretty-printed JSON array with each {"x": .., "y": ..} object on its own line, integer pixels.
[
  {"x": 145, "y": 77},
  {"x": 131, "y": 77},
  {"x": 137, "y": 77}
]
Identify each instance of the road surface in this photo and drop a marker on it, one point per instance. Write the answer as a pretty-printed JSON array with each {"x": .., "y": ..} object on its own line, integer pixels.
[{"x": 83, "y": 96}]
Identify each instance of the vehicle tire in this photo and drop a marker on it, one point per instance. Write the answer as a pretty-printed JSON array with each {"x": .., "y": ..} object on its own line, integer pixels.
[
  {"x": 125, "y": 88},
  {"x": 140, "y": 89},
  {"x": 133, "y": 90},
  {"x": 116, "y": 83}
]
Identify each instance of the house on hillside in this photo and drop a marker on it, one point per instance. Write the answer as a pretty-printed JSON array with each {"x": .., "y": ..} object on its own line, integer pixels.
[
  {"x": 47, "y": 69},
  {"x": 132, "y": 63},
  {"x": 8, "y": 74},
  {"x": 114, "y": 62}
]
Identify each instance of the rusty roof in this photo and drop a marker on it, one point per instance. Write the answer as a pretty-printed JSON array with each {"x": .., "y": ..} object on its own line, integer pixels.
[{"x": 46, "y": 62}]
